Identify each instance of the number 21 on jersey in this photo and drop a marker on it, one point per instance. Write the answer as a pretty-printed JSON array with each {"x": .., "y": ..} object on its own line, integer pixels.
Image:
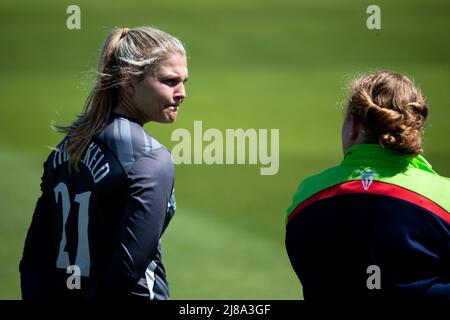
[{"x": 82, "y": 259}]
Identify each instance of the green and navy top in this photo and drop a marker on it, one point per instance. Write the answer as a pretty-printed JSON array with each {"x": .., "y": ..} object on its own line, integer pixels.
[{"x": 377, "y": 209}]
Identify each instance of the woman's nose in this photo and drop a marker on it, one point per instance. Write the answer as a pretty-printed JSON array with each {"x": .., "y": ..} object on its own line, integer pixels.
[{"x": 180, "y": 92}]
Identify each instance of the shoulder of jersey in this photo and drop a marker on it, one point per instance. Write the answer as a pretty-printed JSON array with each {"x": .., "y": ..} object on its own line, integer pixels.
[{"x": 128, "y": 141}]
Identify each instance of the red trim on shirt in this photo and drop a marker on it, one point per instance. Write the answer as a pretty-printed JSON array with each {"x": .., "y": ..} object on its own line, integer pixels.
[{"x": 376, "y": 187}]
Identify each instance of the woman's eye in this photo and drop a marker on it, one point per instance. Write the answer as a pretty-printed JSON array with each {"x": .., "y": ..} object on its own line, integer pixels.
[{"x": 171, "y": 82}]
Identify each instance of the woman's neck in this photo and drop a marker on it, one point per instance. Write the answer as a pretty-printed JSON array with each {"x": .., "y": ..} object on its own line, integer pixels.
[{"x": 127, "y": 108}]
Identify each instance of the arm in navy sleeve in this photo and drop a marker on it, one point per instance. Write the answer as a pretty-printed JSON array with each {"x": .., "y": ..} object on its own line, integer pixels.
[
  {"x": 141, "y": 225},
  {"x": 37, "y": 264}
]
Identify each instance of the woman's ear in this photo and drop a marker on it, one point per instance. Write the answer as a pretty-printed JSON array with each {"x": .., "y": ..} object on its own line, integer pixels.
[
  {"x": 128, "y": 88},
  {"x": 350, "y": 131},
  {"x": 354, "y": 128}
]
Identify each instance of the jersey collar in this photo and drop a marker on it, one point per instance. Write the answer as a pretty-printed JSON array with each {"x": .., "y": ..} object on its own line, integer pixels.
[{"x": 375, "y": 155}]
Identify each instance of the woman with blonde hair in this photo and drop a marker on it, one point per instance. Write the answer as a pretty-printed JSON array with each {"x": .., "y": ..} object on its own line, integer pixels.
[
  {"x": 107, "y": 188},
  {"x": 377, "y": 225}
]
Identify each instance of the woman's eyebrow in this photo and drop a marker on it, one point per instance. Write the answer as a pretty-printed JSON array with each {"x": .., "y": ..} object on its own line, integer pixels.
[{"x": 173, "y": 76}]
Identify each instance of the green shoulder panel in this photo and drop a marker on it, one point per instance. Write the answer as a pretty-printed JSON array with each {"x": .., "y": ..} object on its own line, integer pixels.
[{"x": 412, "y": 173}]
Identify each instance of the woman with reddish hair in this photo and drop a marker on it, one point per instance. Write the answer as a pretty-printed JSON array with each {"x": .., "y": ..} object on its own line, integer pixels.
[{"x": 377, "y": 225}]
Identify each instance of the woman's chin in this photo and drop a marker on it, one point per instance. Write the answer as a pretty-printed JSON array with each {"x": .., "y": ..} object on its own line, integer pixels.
[
  {"x": 171, "y": 116},
  {"x": 167, "y": 118},
  {"x": 168, "y": 115}
]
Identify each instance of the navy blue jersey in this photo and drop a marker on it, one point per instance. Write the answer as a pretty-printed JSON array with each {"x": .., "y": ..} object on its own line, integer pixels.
[
  {"x": 332, "y": 243},
  {"x": 105, "y": 221},
  {"x": 379, "y": 214}
]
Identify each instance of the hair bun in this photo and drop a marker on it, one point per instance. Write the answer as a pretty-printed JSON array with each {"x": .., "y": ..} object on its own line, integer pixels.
[{"x": 392, "y": 110}]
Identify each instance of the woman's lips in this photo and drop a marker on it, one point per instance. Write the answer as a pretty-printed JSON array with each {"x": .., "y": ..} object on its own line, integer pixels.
[
  {"x": 173, "y": 111},
  {"x": 173, "y": 107}
]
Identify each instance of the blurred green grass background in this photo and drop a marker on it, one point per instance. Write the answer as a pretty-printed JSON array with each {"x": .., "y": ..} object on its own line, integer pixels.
[{"x": 253, "y": 64}]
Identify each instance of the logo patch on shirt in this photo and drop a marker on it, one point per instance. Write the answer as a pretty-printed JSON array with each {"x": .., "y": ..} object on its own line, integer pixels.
[{"x": 367, "y": 176}]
